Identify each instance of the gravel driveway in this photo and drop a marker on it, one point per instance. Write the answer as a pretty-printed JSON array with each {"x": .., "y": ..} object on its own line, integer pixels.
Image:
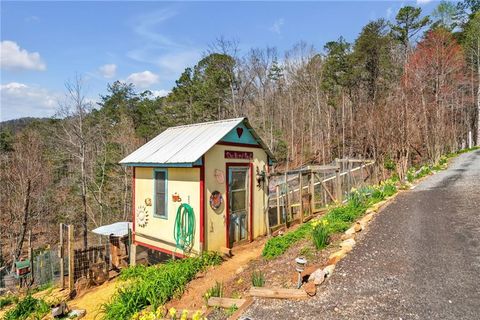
[{"x": 419, "y": 258}]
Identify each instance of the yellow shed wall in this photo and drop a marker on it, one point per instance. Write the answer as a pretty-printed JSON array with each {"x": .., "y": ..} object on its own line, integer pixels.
[
  {"x": 185, "y": 182},
  {"x": 215, "y": 223}
]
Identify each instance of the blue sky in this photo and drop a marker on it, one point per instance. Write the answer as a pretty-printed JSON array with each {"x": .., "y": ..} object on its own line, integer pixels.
[{"x": 44, "y": 44}]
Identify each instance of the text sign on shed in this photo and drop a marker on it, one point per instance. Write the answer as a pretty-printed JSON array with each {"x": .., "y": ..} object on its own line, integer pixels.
[{"x": 238, "y": 155}]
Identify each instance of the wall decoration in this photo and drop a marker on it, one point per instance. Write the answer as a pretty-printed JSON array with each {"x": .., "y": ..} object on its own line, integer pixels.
[
  {"x": 141, "y": 215},
  {"x": 239, "y": 132},
  {"x": 219, "y": 176},
  {"x": 148, "y": 202},
  {"x": 216, "y": 200},
  {"x": 247, "y": 155},
  {"x": 176, "y": 197}
]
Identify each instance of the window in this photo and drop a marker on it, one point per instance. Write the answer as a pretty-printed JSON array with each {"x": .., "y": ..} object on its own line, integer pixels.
[{"x": 160, "y": 194}]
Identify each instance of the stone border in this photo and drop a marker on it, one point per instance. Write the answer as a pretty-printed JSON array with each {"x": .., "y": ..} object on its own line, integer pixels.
[{"x": 348, "y": 241}]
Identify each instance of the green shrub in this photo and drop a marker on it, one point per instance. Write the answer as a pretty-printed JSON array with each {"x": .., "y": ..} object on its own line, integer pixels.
[
  {"x": 258, "y": 279},
  {"x": 28, "y": 308},
  {"x": 154, "y": 285},
  {"x": 389, "y": 164},
  {"x": 7, "y": 300},
  {"x": 411, "y": 175},
  {"x": 231, "y": 310}
]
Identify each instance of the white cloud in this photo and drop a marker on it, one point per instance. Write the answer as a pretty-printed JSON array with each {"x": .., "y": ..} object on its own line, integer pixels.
[
  {"x": 20, "y": 100},
  {"x": 171, "y": 55},
  {"x": 143, "y": 79},
  {"x": 277, "y": 26},
  {"x": 160, "y": 93},
  {"x": 14, "y": 57},
  {"x": 389, "y": 12},
  {"x": 108, "y": 70},
  {"x": 420, "y": 2}
]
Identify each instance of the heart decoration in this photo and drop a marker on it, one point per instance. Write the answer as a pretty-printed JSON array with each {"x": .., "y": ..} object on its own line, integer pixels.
[{"x": 239, "y": 132}]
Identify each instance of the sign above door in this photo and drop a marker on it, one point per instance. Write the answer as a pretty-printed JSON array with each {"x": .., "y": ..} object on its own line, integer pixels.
[{"x": 247, "y": 155}]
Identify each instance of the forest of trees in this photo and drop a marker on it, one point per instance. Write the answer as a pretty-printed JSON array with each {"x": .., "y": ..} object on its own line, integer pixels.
[{"x": 403, "y": 93}]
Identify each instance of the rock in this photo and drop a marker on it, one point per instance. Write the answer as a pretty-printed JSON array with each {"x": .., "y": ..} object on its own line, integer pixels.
[
  {"x": 317, "y": 277},
  {"x": 309, "y": 269},
  {"x": 310, "y": 288},
  {"x": 348, "y": 242},
  {"x": 329, "y": 270},
  {"x": 336, "y": 256},
  {"x": 59, "y": 310},
  {"x": 77, "y": 314},
  {"x": 350, "y": 231},
  {"x": 81, "y": 285},
  {"x": 357, "y": 227},
  {"x": 367, "y": 218},
  {"x": 239, "y": 270},
  {"x": 347, "y": 236}
]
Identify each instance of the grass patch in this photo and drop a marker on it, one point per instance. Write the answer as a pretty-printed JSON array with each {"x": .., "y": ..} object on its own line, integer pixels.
[
  {"x": 154, "y": 285},
  {"x": 28, "y": 308}
]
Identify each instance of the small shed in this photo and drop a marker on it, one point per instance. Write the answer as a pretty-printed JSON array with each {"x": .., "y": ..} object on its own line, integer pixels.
[{"x": 200, "y": 187}]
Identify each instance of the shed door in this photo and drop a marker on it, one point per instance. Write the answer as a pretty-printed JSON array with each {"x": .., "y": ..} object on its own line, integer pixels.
[{"x": 238, "y": 195}]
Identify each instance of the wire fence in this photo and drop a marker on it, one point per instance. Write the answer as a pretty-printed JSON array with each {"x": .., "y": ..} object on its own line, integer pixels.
[{"x": 296, "y": 195}]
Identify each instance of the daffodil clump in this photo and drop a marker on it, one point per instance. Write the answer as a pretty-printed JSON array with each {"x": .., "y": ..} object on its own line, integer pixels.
[
  {"x": 154, "y": 286},
  {"x": 163, "y": 313}
]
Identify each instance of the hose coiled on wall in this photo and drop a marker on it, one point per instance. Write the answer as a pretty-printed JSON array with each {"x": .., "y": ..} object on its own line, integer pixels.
[{"x": 184, "y": 229}]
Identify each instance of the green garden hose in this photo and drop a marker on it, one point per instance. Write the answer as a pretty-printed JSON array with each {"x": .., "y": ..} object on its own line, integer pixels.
[{"x": 184, "y": 229}]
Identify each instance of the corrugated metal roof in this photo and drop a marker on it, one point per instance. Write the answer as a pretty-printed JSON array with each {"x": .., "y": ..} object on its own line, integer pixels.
[
  {"x": 186, "y": 144},
  {"x": 118, "y": 229}
]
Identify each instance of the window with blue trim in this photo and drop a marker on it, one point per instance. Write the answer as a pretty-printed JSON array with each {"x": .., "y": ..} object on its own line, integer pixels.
[{"x": 160, "y": 193}]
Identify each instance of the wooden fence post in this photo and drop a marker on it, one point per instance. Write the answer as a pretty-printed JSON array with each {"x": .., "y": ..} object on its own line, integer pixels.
[
  {"x": 312, "y": 192},
  {"x": 300, "y": 191},
  {"x": 71, "y": 257},
  {"x": 287, "y": 198},
  {"x": 30, "y": 257},
  {"x": 61, "y": 256},
  {"x": 277, "y": 191},
  {"x": 338, "y": 182}
]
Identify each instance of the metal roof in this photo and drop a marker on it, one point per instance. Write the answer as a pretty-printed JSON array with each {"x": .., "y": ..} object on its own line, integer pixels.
[
  {"x": 118, "y": 229},
  {"x": 186, "y": 144}
]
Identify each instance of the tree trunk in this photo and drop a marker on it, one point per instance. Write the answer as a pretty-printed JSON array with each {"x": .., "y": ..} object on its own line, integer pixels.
[{"x": 23, "y": 230}]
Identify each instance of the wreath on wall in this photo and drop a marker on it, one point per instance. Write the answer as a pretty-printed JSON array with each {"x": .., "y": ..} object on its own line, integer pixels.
[
  {"x": 216, "y": 200},
  {"x": 142, "y": 216}
]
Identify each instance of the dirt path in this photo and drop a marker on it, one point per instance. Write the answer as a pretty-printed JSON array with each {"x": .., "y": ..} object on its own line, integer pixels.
[
  {"x": 192, "y": 298},
  {"x": 93, "y": 299},
  {"x": 419, "y": 258}
]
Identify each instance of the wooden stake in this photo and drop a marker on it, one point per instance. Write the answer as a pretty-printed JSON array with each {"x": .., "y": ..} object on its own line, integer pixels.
[
  {"x": 225, "y": 302},
  {"x": 71, "y": 257}
]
